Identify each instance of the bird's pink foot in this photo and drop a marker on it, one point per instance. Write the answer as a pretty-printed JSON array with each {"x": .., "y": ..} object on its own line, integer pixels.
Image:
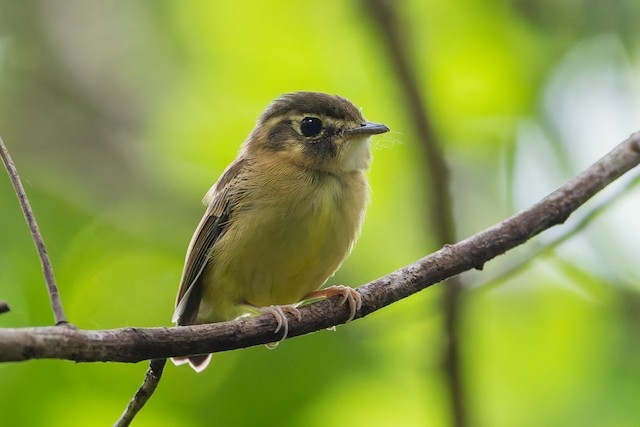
[
  {"x": 348, "y": 294},
  {"x": 278, "y": 312}
]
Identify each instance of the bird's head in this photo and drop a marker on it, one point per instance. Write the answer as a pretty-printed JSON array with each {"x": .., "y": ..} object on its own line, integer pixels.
[{"x": 316, "y": 131}]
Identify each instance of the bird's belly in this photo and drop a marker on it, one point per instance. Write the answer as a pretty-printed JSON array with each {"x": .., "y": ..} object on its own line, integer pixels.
[
  {"x": 278, "y": 256},
  {"x": 286, "y": 258}
]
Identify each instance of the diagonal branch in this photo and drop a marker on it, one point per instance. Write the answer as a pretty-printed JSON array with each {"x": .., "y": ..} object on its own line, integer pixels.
[
  {"x": 548, "y": 247},
  {"x": 54, "y": 296},
  {"x": 151, "y": 380},
  {"x": 137, "y": 344}
]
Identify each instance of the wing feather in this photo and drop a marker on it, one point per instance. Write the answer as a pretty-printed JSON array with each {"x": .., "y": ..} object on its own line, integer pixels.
[{"x": 220, "y": 200}]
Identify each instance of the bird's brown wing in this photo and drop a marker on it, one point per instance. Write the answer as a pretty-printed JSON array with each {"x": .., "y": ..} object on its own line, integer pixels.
[{"x": 220, "y": 200}]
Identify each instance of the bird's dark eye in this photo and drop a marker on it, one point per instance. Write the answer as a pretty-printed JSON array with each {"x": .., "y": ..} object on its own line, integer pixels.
[{"x": 310, "y": 126}]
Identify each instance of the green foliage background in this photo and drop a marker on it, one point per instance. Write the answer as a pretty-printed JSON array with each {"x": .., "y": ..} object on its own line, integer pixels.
[{"x": 121, "y": 114}]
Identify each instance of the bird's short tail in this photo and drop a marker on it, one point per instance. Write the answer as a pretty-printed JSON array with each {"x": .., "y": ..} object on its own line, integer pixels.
[{"x": 198, "y": 362}]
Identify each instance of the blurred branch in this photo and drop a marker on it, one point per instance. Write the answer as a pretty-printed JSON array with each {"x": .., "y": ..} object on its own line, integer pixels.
[
  {"x": 441, "y": 209},
  {"x": 137, "y": 344},
  {"x": 54, "y": 296},
  {"x": 4, "y": 307},
  {"x": 442, "y": 222},
  {"x": 151, "y": 380}
]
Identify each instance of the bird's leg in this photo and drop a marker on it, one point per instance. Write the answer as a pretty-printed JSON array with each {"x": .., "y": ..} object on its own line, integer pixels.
[
  {"x": 348, "y": 295},
  {"x": 278, "y": 312}
]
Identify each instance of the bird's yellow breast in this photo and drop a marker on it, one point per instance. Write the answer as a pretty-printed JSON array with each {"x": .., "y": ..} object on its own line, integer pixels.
[{"x": 285, "y": 239}]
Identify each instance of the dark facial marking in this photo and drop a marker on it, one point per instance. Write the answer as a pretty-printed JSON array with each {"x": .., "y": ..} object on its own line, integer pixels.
[
  {"x": 323, "y": 147},
  {"x": 281, "y": 135}
]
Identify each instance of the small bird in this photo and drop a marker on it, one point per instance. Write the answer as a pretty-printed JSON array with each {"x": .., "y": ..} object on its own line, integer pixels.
[{"x": 282, "y": 217}]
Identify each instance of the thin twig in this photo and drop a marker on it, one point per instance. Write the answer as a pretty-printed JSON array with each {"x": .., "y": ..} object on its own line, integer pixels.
[
  {"x": 549, "y": 246},
  {"x": 137, "y": 344},
  {"x": 54, "y": 296},
  {"x": 151, "y": 380},
  {"x": 441, "y": 223},
  {"x": 4, "y": 307}
]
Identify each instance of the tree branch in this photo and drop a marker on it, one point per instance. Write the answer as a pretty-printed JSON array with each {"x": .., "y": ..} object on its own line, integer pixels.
[
  {"x": 151, "y": 380},
  {"x": 548, "y": 247},
  {"x": 54, "y": 296},
  {"x": 438, "y": 191},
  {"x": 137, "y": 344}
]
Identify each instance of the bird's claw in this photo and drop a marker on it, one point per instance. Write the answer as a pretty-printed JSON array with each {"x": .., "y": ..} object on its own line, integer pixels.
[
  {"x": 347, "y": 293},
  {"x": 278, "y": 312}
]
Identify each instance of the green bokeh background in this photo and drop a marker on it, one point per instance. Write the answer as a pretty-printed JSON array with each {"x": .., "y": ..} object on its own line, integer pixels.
[{"x": 121, "y": 114}]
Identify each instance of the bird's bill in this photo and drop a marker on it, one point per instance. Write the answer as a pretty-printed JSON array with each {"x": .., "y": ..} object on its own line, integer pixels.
[{"x": 367, "y": 128}]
